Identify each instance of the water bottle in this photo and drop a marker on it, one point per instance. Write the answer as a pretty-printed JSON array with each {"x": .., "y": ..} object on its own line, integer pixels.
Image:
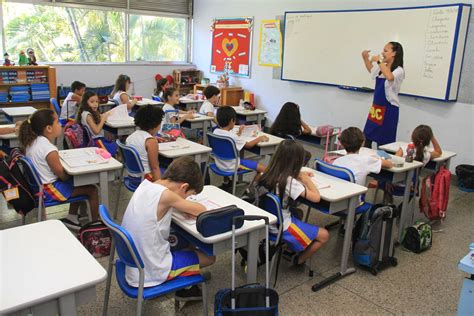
[{"x": 410, "y": 153}]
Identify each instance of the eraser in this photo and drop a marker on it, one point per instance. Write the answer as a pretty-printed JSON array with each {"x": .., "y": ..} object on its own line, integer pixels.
[{"x": 103, "y": 153}]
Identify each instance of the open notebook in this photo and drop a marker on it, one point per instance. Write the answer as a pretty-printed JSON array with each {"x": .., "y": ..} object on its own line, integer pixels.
[
  {"x": 81, "y": 158},
  {"x": 172, "y": 145},
  {"x": 208, "y": 204},
  {"x": 249, "y": 132},
  {"x": 119, "y": 114}
]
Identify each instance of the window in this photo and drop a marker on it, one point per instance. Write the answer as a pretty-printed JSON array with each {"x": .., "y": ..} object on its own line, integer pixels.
[{"x": 73, "y": 34}]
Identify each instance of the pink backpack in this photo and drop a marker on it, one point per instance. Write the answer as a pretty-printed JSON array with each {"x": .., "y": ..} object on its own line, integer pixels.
[
  {"x": 328, "y": 156},
  {"x": 74, "y": 135},
  {"x": 323, "y": 130},
  {"x": 435, "y": 194}
]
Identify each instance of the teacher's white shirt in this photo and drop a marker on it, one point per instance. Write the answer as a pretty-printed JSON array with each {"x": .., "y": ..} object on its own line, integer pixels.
[{"x": 392, "y": 88}]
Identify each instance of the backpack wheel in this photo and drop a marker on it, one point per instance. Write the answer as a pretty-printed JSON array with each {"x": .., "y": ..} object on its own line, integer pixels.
[{"x": 393, "y": 261}]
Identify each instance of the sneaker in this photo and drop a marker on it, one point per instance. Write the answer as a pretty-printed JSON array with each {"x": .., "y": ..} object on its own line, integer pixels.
[
  {"x": 70, "y": 224},
  {"x": 192, "y": 294},
  {"x": 295, "y": 259}
]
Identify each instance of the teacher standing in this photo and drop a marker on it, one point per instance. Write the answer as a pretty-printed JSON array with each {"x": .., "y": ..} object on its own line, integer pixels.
[{"x": 388, "y": 72}]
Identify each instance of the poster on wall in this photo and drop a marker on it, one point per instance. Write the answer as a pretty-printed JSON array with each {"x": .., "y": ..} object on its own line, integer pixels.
[
  {"x": 269, "y": 48},
  {"x": 232, "y": 46}
]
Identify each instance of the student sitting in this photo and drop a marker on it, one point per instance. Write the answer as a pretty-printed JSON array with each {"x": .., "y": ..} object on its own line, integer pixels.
[
  {"x": 37, "y": 135},
  {"x": 352, "y": 140},
  {"x": 90, "y": 117},
  {"x": 212, "y": 99},
  {"x": 284, "y": 178},
  {"x": 148, "y": 218},
  {"x": 72, "y": 101},
  {"x": 226, "y": 118},
  {"x": 120, "y": 95},
  {"x": 148, "y": 120},
  {"x": 171, "y": 98},
  {"x": 161, "y": 86},
  {"x": 421, "y": 137},
  {"x": 289, "y": 123}
]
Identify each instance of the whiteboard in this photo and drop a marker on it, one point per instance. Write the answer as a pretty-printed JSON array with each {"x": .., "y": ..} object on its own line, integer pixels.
[{"x": 325, "y": 46}]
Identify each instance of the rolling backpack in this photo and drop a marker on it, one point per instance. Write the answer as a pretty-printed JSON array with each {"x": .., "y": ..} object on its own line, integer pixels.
[
  {"x": 435, "y": 194},
  {"x": 13, "y": 185},
  {"x": 373, "y": 238}
]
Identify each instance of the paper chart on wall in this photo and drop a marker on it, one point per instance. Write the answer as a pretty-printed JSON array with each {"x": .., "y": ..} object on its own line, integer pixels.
[{"x": 269, "y": 52}]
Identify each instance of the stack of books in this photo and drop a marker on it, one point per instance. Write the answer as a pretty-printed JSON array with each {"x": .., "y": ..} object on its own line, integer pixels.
[
  {"x": 20, "y": 94},
  {"x": 40, "y": 92},
  {"x": 3, "y": 95}
]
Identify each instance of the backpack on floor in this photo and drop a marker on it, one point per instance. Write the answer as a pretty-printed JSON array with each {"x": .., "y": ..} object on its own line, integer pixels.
[
  {"x": 465, "y": 174},
  {"x": 418, "y": 237},
  {"x": 13, "y": 185},
  {"x": 435, "y": 194},
  {"x": 373, "y": 238},
  {"x": 96, "y": 238}
]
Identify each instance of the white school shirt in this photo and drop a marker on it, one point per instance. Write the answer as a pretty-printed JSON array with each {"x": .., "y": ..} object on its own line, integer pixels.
[
  {"x": 206, "y": 107},
  {"x": 426, "y": 154},
  {"x": 392, "y": 88},
  {"x": 169, "y": 115},
  {"x": 229, "y": 165},
  {"x": 37, "y": 152},
  {"x": 68, "y": 111},
  {"x": 84, "y": 123},
  {"x": 149, "y": 234},
  {"x": 360, "y": 165},
  {"x": 293, "y": 189},
  {"x": 138, "y": 139},
  {"x": 117, "y": 96}
]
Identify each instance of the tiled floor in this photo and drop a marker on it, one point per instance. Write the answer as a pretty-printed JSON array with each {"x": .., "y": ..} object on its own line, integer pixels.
[{"x": 427, "y": 283}]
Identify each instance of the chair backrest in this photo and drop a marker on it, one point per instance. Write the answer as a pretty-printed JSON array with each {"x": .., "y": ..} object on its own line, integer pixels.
[
  {"x": 132, "y": 160},
  {"x": 335, "y": 171},
  {"x": 271, "y": 203},
  {"x": 88, "y": 138},
  {"x": 32, "y": 176},
  {"x": 223, "y": 147},
  {"x": 124, "y": 244},
  {"x": 56, "y": 106}
]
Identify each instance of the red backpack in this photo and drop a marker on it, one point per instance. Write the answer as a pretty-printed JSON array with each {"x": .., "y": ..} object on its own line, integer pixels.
[{"x": 435, "y": 194}]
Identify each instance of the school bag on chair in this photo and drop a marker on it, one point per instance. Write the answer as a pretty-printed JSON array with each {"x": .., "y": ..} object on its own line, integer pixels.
[
  {"x": 75, "y": 136},
  {"x": 434, "y": 194},
  {"x": 13, "y": 184}
]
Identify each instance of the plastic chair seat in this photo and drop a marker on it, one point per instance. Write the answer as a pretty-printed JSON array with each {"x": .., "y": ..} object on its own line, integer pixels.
[
  {"x": 74, "y": 199},
  {"x": 154, "y": 291},
  {"x": 131, "y": 183},
  {"x": 220, "y": 172}
]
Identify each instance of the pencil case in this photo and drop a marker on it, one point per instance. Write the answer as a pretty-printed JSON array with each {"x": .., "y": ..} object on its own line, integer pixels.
[{"x": 218, "y": 221}]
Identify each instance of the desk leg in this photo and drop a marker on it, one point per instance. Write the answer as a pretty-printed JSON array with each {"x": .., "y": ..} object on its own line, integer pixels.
[
  {"x": 252, "y": 246},
  {"x": 104, "y": 188},
  {"x": 405, "y": 205},
  {"x": 345, "y": 250},
  {"x": 67, "y": 305},
  {"x": 204, "y": 133}
]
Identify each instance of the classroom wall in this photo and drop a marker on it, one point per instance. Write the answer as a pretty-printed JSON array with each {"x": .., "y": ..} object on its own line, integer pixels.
[
  {"x": 143, "y": 76},
  {"x": 451, "y": 122}
]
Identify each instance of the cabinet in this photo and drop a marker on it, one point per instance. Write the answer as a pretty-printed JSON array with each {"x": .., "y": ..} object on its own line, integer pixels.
[
  {"x": 230, "y": 95},
  {"x": 27, "y": 85},
  {"x": 185, "y": 79}
]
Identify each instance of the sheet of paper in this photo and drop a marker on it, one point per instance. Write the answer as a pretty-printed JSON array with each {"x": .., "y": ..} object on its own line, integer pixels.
[
  {"x": 172, "y": 146},
  {"x": 320, "y": 184},
  {"x": 208, "y": 204}
]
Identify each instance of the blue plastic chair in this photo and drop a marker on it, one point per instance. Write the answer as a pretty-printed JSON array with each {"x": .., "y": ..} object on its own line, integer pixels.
[
  {"x": 57, "y": 108},
  {"x": 344, "y": 174},
  {"x": 223, "y": 148},
  {"x": 36, "y": 188},
  {"x": 134, "y": 167},
  {"x": 129, "y": 256},
  {"x": 271, "y": 203}
]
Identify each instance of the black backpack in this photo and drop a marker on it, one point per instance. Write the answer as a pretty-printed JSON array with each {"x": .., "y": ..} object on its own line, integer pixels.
[
  {"x": 465, "y": 174},
  {"x": 14, "y": 186}
]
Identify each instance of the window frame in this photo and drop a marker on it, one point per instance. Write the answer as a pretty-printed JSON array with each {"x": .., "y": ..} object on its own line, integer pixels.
[{"x": 127, "y": 12}]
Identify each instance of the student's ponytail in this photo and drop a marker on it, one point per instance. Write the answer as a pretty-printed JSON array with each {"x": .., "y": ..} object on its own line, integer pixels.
[
  {"x": 34, "y": 126},
  {"x": 421, "y": 138}
]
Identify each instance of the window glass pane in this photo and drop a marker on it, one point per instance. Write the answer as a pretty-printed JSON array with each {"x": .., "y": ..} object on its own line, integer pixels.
[
  {"x": 63, "y": 34},
  {"x": 155, "y": 38}
]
